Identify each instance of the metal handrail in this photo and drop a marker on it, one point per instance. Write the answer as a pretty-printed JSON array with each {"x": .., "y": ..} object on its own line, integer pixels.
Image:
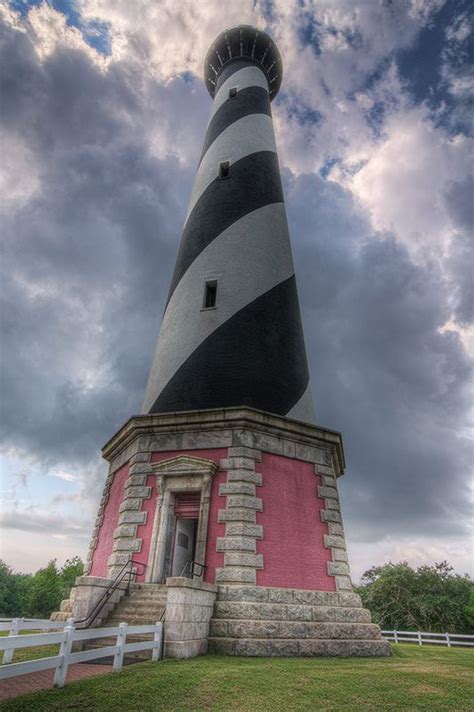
[
  {"x": 127, "y": 570},
  {"x": 189, "y": 566}
]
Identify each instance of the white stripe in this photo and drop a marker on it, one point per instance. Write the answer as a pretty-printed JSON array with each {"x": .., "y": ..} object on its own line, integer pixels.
[
  {"x": 245, "y": 136},
  {"x": 248, "y": 77},
  {"x": 249, "y": 258},
  {"x": 304, "y": 408}
]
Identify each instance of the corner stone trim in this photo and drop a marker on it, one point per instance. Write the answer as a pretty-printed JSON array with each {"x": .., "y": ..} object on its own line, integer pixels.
[
  {"x": 98, "y": 522},
  {"x": 126, "y": 542},
  {"x": 240, "y": 517},
  {"x": 339, "y": 566}
]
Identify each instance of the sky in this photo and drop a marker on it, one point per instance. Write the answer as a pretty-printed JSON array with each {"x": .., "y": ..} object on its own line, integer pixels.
[{"x": 103, "y": 114}]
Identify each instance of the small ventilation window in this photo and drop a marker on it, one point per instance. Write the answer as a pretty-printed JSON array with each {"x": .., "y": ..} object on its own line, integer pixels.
[
  {"x": 224, "y": 169},
  {"x": 233, "y": 92},
  {"x": 210, "y": 294}
]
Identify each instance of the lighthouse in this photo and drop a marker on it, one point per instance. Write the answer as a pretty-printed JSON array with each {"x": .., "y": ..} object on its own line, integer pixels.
[
  {"x": 220, "y": 514},
  {"x": 231, "y": 333}
]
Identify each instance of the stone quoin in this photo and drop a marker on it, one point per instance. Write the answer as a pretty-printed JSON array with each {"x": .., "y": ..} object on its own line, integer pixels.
[{"x": 222, "y": 495}]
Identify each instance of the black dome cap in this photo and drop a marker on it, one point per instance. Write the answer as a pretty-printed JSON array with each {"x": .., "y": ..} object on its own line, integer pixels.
[{"x": 244, "y": 42}]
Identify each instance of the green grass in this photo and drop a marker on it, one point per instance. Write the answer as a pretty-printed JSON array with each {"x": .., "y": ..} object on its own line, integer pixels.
[
  {"x": 414, "y": 678},
  {"x": 43, "y": 651}
]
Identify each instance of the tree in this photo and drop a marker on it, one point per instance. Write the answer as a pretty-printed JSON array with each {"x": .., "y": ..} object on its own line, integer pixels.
[
  {"x": 70, "y": 571},
  {"x": 46, "y": 591},
  {"x": 430, "y": 598},
  {"x": 14, "y": 591},
  {"x": 38, "y": 595}
]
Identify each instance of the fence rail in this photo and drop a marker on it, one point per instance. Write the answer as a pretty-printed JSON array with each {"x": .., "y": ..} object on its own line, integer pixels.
[
  {"x": 66, "y": 657},
  {"x": 411, "y": 636},
  {"x": 17, "y": 624}
]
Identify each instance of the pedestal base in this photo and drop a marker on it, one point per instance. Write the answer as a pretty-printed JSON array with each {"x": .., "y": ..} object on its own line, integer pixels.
[
  {"x": 249, "y": 501},
  {"x": 258, "y": 622}
]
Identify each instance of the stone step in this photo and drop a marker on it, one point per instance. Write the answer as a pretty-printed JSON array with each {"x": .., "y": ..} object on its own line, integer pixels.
[
  {"x": 60, "y": 616},
  {"x": 147, "y": 595},
  {"x": 290, "y": 612},
  {"x": 293, "y": 629},
  {"x": 131, "y": 620},
  {"x": 263, "y": 594},
  {"x": 143, "y": 601},
  {"x": 254, "y": 647},
  {"x": 148, "y": 600},
  {"x": 140, "y": 606}
]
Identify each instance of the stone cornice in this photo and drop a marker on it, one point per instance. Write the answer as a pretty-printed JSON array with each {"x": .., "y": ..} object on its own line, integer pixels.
[
  {"x": 184, "y": 465},
  {"x": 226, "y": 419}
]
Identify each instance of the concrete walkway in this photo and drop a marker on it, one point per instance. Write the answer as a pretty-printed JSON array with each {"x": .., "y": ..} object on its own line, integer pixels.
[{"x": 43, "y": 680}]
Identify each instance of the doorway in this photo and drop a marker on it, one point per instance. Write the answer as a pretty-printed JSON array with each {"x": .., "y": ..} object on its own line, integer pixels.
[
  {"x": 184, "y": 547},
  {"x": 186, "y": 511}
]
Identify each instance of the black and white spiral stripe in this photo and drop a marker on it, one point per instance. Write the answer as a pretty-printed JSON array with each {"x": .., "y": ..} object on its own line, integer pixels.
[{"x": 249, "y": 350}]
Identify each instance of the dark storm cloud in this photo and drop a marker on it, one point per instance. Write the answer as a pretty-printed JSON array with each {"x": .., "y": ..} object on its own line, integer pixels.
[
  {"x": 383, "y": 373},
  {"x": 460, "y": 203},
  {"x": 87, "y": 262}
]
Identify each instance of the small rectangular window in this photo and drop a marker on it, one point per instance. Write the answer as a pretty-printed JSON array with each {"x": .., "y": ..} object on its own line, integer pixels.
[
  {"x": 233, "y": 93},
  {"x": 224, "y": 168},
  {"x": 210, "y": 294}
]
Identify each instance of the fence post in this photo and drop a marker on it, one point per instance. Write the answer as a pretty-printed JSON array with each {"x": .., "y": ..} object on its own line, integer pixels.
[
  {"x": 395, "y": 636},
  {"x": 420, "y": 642},
  {"x": 118, "y": 657},
  {"x": 65, "y": 651},
  {"x": 448, "y": 640},
  {"x": 158, "y": 637},
  {"x": 14, "y": 630}
]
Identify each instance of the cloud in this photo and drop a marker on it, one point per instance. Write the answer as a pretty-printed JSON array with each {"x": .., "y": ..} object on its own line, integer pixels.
[
  {"x": 100, "y": 151},
  {"x": 397, "y": 384},
  {"x": 66, "y": 476},
  {"x": 43, "y": 523}
]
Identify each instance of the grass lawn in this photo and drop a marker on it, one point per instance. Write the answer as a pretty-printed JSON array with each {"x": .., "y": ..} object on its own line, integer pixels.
[
  {"x": 414, "y": 678},
  {"x": 44, "y": 651}
]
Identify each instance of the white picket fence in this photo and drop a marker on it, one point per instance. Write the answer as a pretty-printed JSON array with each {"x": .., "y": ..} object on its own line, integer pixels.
[
  {"x": 66, "y": 638},
  {"x": 410, "y": 636}
]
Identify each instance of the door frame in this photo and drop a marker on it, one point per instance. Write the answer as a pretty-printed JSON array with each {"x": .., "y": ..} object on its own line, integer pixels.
[{"x": 184, "y": 473}]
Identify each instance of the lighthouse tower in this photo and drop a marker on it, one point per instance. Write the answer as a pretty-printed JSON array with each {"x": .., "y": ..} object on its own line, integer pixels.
[
  {"x": 231, "y": 333},
  {"x": 221, "y": 502}
]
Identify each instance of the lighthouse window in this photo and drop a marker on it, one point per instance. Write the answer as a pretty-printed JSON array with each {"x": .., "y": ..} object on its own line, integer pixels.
[
  {"x": 233, "y": 93},
  {"x": 224, "y": 168},
  {"x": 210, "y": 294}
]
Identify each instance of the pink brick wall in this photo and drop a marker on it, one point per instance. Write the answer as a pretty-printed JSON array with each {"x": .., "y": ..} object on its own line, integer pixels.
[
  {"x": 293, "y": 549},
  {"x": 110, "y": 522}
]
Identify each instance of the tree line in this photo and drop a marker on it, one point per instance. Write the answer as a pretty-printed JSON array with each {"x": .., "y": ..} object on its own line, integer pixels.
[
  {"x": 429, "y": 598},
  {"x": 36, "y": 595},
  {"x": 432, "y": 599}
]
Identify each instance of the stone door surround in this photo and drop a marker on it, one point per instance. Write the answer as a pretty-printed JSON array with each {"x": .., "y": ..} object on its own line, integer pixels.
[{"x": 184, "y": 473}]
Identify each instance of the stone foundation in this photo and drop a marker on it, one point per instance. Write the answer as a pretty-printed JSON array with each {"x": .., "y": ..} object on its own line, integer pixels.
[
  {"x": 189, "y": 609},
  {"x": 258, "y": 621}
]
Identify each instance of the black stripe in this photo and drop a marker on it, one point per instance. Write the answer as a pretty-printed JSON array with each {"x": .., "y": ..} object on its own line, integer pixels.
[
  {"x": 253, "y": 182},
  {"x": 252, "y": 100},
  {"x": 257, "y": 358}
]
